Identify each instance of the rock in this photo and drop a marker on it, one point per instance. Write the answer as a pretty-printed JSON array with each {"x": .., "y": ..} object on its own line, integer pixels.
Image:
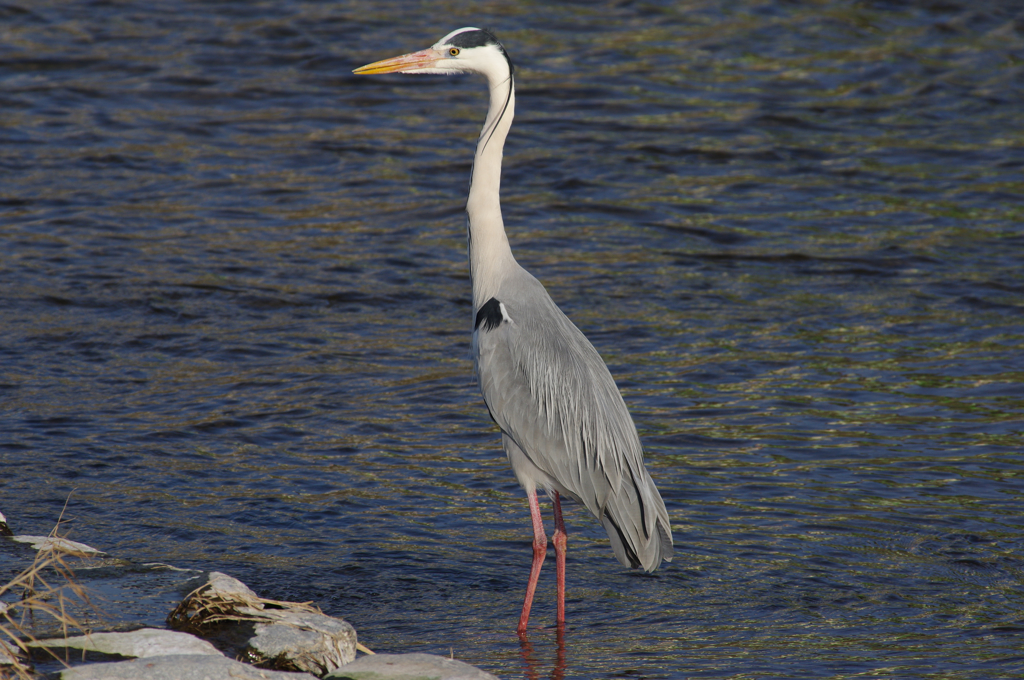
[
  {"x": 408, "y": 667},
  {"x": 58, "y": 544},
  {"x": 301, "y": 641},
  {"x": 220, "y": 596},
  {"x": 230, "y": 589},
  {"x": 10, "y": 654},
  {"x": 283, "y": 635},
  {"x": 137, "y": 644},
  {"x": 176, "y": 667}
]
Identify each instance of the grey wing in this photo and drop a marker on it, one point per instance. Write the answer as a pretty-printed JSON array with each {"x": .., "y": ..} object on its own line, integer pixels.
[{"x": 565, "y": 426}]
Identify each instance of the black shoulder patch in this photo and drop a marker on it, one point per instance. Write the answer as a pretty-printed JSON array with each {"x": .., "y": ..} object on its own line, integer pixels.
[{"x": 489, "y": 315}]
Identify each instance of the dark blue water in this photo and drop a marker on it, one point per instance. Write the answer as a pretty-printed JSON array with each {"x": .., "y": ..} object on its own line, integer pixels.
[{"x": 235, "y": 315}]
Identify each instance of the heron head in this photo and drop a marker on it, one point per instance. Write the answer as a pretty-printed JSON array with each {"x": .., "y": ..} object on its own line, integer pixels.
[{"x": 466, "y": 50}]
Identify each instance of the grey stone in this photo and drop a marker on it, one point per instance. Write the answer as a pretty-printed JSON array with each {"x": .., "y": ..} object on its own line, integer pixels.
[
  {"x": 10, "y": 654},
  {"x": 303, "y": 641},
  {"x": 282, "y": 635},
  {"x": 408, "y": 667},
  {"x": 221, "y": 596},
  {"x": 230, "y": 589},
  {"x": 136, "y": 644},
  {"x": 176, "y": 667}
]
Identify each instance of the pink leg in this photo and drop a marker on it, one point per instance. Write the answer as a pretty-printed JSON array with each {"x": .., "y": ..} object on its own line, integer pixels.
[
  {"x": 540, "y": 548},
  {"x": 560, "y": 539}
]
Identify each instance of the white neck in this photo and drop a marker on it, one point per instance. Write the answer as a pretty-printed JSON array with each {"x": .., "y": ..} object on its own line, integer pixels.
[{"x": 489, "y": 251}]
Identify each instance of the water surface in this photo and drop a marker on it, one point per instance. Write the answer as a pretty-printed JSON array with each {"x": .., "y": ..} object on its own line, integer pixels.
[{"x": 235, "y": 318}]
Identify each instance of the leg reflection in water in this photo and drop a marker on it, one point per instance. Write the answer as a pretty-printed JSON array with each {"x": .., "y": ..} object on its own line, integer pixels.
[{"x": 532, "y": 667}]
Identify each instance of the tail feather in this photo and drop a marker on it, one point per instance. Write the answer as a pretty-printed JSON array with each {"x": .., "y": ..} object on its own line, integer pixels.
[
  {"x": 620, "y": 546},
  {"x": 651, "y": 551}
]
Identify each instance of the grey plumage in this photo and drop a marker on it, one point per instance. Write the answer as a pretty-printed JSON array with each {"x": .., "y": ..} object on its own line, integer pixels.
[{"x": 564, "y": 425}]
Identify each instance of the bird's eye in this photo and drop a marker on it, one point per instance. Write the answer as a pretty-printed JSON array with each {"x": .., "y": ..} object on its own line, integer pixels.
[{"x": 454, "y": 51}]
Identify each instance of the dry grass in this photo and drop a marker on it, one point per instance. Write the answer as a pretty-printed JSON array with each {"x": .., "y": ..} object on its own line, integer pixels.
[
  {"x": 46, "y": 591},
  {"x": 202, "y": 609}
]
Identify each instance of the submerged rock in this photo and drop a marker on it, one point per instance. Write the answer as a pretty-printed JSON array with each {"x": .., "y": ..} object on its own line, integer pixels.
[
  {"x": 176, "y": 667},
  {"x": 294, "y": 639},
  {"x": 57, "y": 544},
  {"x": 408, "y": 667}
]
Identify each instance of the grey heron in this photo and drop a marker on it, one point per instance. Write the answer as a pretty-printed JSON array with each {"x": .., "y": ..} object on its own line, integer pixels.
[{"x": 564, "y": 425}]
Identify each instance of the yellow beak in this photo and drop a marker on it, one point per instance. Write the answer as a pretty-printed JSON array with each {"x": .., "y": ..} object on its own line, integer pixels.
[{"x": 407, "y": 62}]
